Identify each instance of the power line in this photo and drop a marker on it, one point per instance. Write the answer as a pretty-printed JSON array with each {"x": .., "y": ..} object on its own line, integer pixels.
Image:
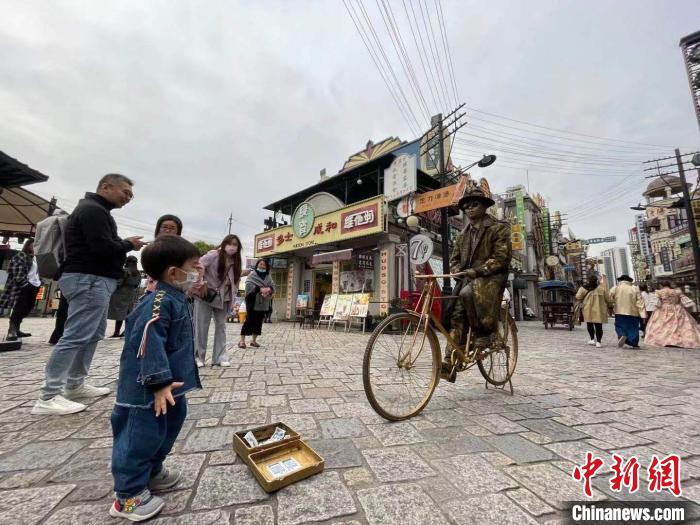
[
  {"x": 404, "y": 59},
  {"x": 446, "y": 45},
  {"x": 569, "y": 132},
  {"x": 527, "y": 148},
  {"x": 433, "y": 51},
  {"x": 420, "y": 55},
  {"x": 365, "y": 40},
  {"x": 388, "y": 64}
]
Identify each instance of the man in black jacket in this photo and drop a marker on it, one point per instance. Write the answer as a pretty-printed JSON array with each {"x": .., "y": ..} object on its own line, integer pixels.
[{"x": 94, "y": 259}]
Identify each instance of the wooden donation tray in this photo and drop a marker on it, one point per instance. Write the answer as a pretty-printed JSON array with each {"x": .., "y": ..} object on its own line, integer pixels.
[{"x": 280, "y": 463}]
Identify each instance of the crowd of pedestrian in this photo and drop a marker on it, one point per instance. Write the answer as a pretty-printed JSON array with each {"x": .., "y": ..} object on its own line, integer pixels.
[
  {"x": 660, "y": 317},
  {"x": 161, "y": 353}
]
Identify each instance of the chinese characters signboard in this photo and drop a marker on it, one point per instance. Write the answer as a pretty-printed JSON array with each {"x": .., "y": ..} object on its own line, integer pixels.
[
  {"x": 516, "y": 236},
  {"x": 440, "y": 198},
  {"x": 400, "y": 177},
  {"x": 546, "y": 233},
  {"x": 303, "y": 219},
  {"x": 384, "y": 281},
  {"x": 600, "y": 240},
  {"x": 358, "y": 220}
]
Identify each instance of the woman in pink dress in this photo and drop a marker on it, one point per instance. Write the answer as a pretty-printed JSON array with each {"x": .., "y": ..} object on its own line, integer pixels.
[{"x": 671, "y": 324}]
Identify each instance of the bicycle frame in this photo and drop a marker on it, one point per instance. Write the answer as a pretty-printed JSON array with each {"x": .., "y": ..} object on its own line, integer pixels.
[{"x": 464, "y": 357}]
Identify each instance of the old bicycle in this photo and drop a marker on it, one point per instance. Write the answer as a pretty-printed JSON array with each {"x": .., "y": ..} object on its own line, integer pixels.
[{"x": 402, "y": 361}]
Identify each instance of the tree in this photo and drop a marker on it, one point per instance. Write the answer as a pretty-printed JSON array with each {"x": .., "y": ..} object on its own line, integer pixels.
[{"x": 204, "y": 247}]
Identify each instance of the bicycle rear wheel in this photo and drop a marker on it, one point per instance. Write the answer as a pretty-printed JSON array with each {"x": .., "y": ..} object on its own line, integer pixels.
[
  {"x": 499, "y": 365},
  {"x": 401, "y": 367}
]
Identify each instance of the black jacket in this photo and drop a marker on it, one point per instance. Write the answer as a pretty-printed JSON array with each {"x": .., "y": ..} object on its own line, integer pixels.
[{"x": 92, "y": 243}]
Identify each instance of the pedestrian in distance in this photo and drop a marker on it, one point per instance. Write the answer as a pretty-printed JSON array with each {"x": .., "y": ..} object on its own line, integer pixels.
[
  {"x": 671, "y": 324},
  {"x": 650, "y": 302},
  {"x": 94, "y": 261},
  {"x": 222, "y": 273},
  {"x": 124, "y": 297},
  {"x": 61, "y": 318},
  {"x": 629, "y": 310},
  {"x": 595, "y": 305},
  {"x": 165, "y": 225},
  {"x": 156, "y": 370},
  {"x": 259, "y": 290},
  {"x": 21, "y": 287}
]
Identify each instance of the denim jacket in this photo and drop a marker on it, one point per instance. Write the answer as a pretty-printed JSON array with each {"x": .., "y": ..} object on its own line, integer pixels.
[{"x": 158, "y": 347}]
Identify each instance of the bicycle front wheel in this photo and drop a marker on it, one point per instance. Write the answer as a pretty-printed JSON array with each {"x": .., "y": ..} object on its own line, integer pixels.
[
  {"x": 401, "y": 367},
  {"x": 499, "y": 364}
]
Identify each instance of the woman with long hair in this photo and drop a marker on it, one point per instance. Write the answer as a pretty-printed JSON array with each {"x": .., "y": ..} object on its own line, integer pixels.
[
  {"x": 259, "y": 290},
  {"x": 671, "y": 324},
  {"x": 222, "y": 273},
  {"x": 595, "y": 303}
]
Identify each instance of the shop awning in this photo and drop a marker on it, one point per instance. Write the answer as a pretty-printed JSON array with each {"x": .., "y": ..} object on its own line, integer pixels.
[
  {"x": 13, "y": 173},
  {"x": 339, "y": 255},
  {"x": 20, "y": 210}
]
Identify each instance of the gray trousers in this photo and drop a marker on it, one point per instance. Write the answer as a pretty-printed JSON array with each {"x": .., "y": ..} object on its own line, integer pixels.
[
  {"x": 203, "y": 313},
  {"x": 88, "y": 296}
]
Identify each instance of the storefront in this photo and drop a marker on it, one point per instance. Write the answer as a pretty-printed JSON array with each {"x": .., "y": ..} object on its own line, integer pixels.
[{"x": 339, "y": 236}]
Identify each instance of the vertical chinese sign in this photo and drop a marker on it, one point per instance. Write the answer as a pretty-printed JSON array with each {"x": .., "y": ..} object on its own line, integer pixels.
[
  {"x": 290, "y": 284},
  {"x": 546, "y": 232},
  {"x": 384, "y": 281},
  {"x": 335, "y": 286},
  {"x": 520, "y": 215}
]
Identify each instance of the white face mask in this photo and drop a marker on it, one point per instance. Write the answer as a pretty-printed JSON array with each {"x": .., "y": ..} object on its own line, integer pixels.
[
  {"x": 190, "y": 278},
  {"x": 231, "y": 249}
]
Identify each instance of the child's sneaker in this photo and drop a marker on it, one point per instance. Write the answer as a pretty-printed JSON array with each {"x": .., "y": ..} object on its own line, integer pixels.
[
  {"x": 164, "y": 480},
  {"x": 138, "y": 508}
]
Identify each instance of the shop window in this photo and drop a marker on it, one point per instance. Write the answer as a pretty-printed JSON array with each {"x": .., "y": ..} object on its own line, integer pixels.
[{"x": 280, "y": 280}]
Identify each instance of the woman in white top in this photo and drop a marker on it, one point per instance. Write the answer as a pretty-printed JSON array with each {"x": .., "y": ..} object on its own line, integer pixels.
[{"x": 651, "y": 301}]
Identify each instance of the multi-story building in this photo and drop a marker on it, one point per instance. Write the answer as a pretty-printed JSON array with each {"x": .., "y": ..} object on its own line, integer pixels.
[{"x": 615, "y": 263}]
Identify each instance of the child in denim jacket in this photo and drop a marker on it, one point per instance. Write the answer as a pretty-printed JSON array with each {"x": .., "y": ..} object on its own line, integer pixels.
[{"x": 156, "y": 370}]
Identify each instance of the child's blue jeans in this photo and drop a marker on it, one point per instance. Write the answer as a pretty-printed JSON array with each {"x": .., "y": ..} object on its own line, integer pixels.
[{"x": 141, "y": 443}]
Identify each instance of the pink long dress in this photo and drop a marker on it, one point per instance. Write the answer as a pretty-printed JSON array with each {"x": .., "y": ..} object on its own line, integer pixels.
[{"x": 671, "y": 324}]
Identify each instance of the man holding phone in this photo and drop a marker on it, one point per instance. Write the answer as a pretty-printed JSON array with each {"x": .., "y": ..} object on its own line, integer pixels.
[{"x": 95, "y": 256}]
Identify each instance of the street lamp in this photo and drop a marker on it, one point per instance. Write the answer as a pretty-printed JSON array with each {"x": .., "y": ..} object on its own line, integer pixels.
[
  {"x": 677, "y": 204},
  {"x": 483, "y": 162}
]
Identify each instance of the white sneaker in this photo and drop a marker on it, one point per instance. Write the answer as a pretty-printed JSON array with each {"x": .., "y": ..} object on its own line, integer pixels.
[
  {"x": 86, "y": 390},
  {"x": 598, "y": 345},
  {"x": 57, "y": 405},
  {"x": 591, "y": 342},
  {"x": 199, "y": 362},
  {"x": 225, "y": 363}
]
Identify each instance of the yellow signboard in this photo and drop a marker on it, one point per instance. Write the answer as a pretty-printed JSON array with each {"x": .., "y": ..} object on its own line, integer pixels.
[
  {"x": 358, "y": 220},
  {"x": 516, "y": 236}
]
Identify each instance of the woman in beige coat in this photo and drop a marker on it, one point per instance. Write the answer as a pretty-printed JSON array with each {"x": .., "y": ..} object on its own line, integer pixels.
[{"x": 596, "y": 302}]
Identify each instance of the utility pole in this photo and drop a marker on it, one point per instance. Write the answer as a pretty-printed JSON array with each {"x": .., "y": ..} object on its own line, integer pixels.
[
  {"x": 444, "y": 216},
  {"x": 230, "y": 223},
  {"x": 691, "y": 219}
]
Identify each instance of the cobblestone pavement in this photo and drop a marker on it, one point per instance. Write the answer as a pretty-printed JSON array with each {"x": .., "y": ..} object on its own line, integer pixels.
[{"x": 473, "y": 456}]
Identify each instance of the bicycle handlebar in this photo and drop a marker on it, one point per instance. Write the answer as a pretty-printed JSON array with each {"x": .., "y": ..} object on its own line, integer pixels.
[{"x": 458, "y": 274}]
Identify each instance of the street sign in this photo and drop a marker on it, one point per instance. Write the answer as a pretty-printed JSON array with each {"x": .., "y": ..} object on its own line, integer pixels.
[
  {"x": 421, "y": 249},
  {"x": 400, "y": 177},
  {"x": 432, "y": 200},
  {"x": 600, "y": 240}
]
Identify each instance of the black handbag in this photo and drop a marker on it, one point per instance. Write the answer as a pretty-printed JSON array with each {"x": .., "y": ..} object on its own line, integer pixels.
[{"x": 211, "y": 295}]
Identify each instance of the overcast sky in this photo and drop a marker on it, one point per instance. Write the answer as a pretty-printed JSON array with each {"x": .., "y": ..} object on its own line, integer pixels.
[{"x": 222, "y": 107}]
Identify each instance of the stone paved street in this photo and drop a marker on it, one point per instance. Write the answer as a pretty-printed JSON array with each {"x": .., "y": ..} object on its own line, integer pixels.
[{"x": 473, "y": 456}]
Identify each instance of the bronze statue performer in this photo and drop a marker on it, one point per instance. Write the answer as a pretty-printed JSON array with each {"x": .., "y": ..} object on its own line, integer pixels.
[{"x": 483, "y": 251}]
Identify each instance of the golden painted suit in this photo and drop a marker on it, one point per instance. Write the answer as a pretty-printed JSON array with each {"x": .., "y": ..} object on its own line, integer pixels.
[{"x": 487, "y": 250}]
